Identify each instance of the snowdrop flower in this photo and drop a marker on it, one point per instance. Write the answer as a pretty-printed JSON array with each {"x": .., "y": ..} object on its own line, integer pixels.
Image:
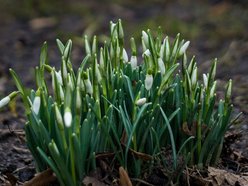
[
  {"x": 59, "y": 77},
  {"x": 67, "y": 117},
  {"x": 147, "y": 53},
  {"x": 36, "y": 104},
  {"x": 194, "y": 77},
  {"x": 205, "y": 80},
  {"x": 61, "y": 93},
  {"x": 124, "y": 56},
  {"x": 134, "y": 62},
  {"x": 59, "y": 117},
  {"x": 4, "y": 101},
  {"x": 148, "y": 81},
  {"x": 88, "y": 86},
  {"x": 161, "y": 66},
  {"x": 145, "y": 38},
  {"x": 7, "y": 99},
  {"x": 184, "y": 48},
  {"x": 101, "y": 60},
  {"x": 213, "y": 88},
  {"x": 140, "y": 101}
]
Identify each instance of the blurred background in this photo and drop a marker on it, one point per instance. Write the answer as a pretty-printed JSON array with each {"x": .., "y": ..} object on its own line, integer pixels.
[{"x": 216, "y": 29}]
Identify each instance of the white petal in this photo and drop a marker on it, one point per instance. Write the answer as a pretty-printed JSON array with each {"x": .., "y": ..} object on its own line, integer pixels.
[
  {"x": 184, "y": 48},
  {"x": 140, "y": 101},
  {"x": 134, "y": 62},
  {"x": 147, "y": 53},
  {"x": 161, "y": 66},
  {"x": 148, "y": 82},
  {"x": 4, "y": 101},
  {"x": 36, "y": 105},
  {"x": 59, "y": 78},
  {"x": 125, "y": 56},
  {"x": 145, "y": 38},
  {"x": 88, "y": 86},
  {"x": 68, "y": 118}
]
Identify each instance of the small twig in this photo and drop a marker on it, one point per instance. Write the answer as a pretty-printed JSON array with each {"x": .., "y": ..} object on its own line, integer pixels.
[{"x": 141, "y": 181}]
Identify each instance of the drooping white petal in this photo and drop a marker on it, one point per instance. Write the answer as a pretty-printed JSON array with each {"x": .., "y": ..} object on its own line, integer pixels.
[
  {"x": 88, "y": 86},
  {"x": 67, "y": 117},
  {"x": 184, "y": 48},
  {"x": 125, "y": 56},
  {"x": 147, "y": 53},
  {"x": 161, "y": 66},
  {"x": 134, "y": 62},
  {"x": 140, "y": 101},
  {"x": 4, "y": 101},
  {"x": 36, "y": 104},
  {"x": 148, "y": 81},
  {"x": 145, "y": 38},
  {"x": 205, "y": 80},
  {"x": 59, "y": 77}
]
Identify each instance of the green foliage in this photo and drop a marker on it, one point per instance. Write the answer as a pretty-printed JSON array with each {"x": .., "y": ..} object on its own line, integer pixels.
[{"x": 134, "y": 106}]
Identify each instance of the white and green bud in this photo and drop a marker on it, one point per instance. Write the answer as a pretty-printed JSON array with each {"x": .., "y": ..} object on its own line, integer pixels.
[
  {"x": 59, "y": 77},
  {"x": 162, "y": 48},
  {"x": 36, "y": 102},
  {"x": 59, "y": 118},
  {"x": 140, "y": 101},
  {"x": 183, "y": 48},
  {"x": 194, "y": 77},
  {"x": 88, "y": 86},
  {"x": 148, "y": 81},
  {"x": 145, "y": 38},
  {"x": 78, "y": 99},
  {"x": 101, "y": 60},
  {"x": 87, "y": 45},
  {"x": 147, "y": 53},
  {"x": 7, "y": 99},
  {"x": 134, "y": 62},
  {"x": 124, "y": 56},
  {"x": 167, "y": 49},
  {"x": 205, "y": 80},
  {"x": 61, "y": 93},
  {"x": 213, "y": 88},
  {"x": 161, "y": 66},
  {"x": 68, "y": 117}
]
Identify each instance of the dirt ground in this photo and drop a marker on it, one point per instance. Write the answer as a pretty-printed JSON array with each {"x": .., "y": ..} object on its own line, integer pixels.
[{"x": 216, "y": 28}]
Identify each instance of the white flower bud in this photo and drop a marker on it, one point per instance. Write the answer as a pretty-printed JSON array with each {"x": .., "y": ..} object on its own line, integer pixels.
[
  {"x": 124, "y": 56},
  {"x": 67, "y": 117},
  {"x": 167, "y": 49},
  {"x": 88, "y": 86},
  {"x": 4, "y": 101},
  {"x": 61, "y": 93},
  {"x": 205, "y": 80},
  {"x": 140, "y": 101},
  {"x": 59, "y": 118},
  {"x": 145, "y": 38},
  {"x": 148, "y": 81},
  {"x": 161, "y": 52},
  {"x": 184, "y": 48},
  {"x": 147, "y": 53},
  {"x": 59, "y": 78},
  {"x": 101, "y": 60},
  {"x": 161, "y": 66},
  {"x": 134, "y": 62},
  {"x": 213, "y": 88},
  {"x": 194, "y": 77},
  {"x": 36, "y": 104}
]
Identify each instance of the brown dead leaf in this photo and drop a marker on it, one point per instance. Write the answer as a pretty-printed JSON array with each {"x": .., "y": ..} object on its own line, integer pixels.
[
  {"x": 124, "y": 178},
  {"x": 221, "y": 177},
  {"x": 42, "y": 179},
  {"x": 92, "y": 181}
]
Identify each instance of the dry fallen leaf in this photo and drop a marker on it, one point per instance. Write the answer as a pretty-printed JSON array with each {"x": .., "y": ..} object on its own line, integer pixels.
[
  {"x": 124, "y": 178},
  {"x": 92, "y": 181},
  {"x": 42, "y": 179},
  {"x": 221, "y": 177}
]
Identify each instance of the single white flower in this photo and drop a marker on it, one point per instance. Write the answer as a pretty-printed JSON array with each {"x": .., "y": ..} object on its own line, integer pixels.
[
  {"x": 205, "y": 80},
  {"x": 161, "y": 52},
  {"x": 67, "y": 117},
  {"x": 148, "y": 81},
  {"x": 124, "y": 56},
  {"x": 145, "y": 38},
  {"x": 61, "y": 93},
  {"x": 213, "y": 88},
  {"x": 36, "y": 104},
  {"x": 147, "y": 53},
  {"x": 101, "y": 60},
  {"x": 59, "y": 118},
  {"x": 194, "y": 77},
  {"x": 134, "y": 62},
  {"x": 4, "y": 101},
  {"x": 140, "y": 101},
  {"x": 161, "y": 66},
  {"x": 184, "y": 48},
  {"x": 88, "y": 86},
  {"x": 59, "y": 77}
]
